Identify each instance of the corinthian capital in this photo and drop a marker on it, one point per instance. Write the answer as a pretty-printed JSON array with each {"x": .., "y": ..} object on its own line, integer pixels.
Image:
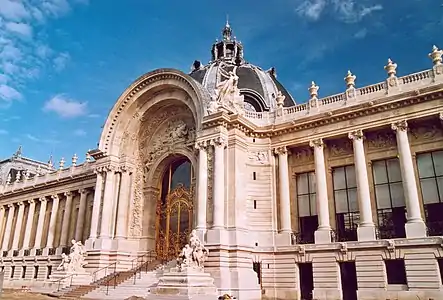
[
  {"x": 42, "y": 199},
  {"x": 316, "y": 143},
  {"x": 281, "y": 150},
  {"x": 68, "y": 194},
  {"x": 219, "y": 141},
  {"x": 201, "y": 145},
  {"x": 54, "y": 197},
  {"x": 400, "y": 126},
  {"x": 125, "y": 168},
  {"x": 356, "y": 135}
]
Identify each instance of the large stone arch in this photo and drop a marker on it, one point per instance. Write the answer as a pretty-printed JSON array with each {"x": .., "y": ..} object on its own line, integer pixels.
[{"x": 146, "y": 92}]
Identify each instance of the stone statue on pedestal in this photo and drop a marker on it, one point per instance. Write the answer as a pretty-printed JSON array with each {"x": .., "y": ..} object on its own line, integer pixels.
[
  {"x": 194, "y": 254},
  {"x": 75, "y": 262}
]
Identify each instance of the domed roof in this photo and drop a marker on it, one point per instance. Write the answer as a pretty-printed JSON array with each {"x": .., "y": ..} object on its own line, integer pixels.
[{"x": 259, "y": 88}]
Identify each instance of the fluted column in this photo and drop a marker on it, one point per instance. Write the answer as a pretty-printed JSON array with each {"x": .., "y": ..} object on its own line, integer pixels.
[
  {"x": 366, "y": 228},
  {"x": 40, "y": 223},
  {"x": 53, "y": 221},
  {"x": 285, "y": 200},
  {"x": 2, "y": 217},
  {"x": 219, "y": 183},
  {"x": 415, "y": 227},
  {"x": 18, "y": 226},
  {"x": 96, "y": 204},
  {"x": 8, "y": 227},
  {"x": 202, "y": 184},
  {"x": 81, "y": 215},
  {"x": 123, "y": 203},
  {"x": 108, "y": 203},
  {"x": 323, "y": 234},
  {"x": 29, "y": 224},
  {"x": 66, "y": 219}
]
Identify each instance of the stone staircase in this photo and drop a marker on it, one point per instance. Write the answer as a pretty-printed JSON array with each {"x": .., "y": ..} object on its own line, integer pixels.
[{"x": 108, "y": 282}]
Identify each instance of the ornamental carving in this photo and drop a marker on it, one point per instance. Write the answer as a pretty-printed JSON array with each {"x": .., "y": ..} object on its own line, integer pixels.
[
  {"x": 426, "y": 132},
  {"x": 135, "y": 227},
  {"x": 258, "y": 157},
  {"x": 341, "y": 147},
  {"x": 209, "y": 212},
  {"x": 381, "y": 140},
  {"x": 303, "y": 155},
  {"x": 175, "y": 133}
]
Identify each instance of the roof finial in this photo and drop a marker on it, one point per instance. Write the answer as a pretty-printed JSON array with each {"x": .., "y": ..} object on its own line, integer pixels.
[
  {"x": 227, "y": 21},
  {"x": 18, "y": 153},
  {"x": 227, "y": 31}
]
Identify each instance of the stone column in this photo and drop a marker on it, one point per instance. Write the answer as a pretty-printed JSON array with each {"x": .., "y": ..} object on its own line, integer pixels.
[
  {"x": 2, "y": 217},
  {"x": 415, "y": 227},
  {"x": 285, "y": 200},
  {"x": 18, "y": 226},
  {"x": 123, "y": 203},
  {"x": 40, "y": 223},
  {"x": 219, "y": 183},
  {"x": 366, "y": 228},
  {"x": 108, "y": 200},
  {"x": 202, "y": 185},
  {"x": 29, "y": 224},
  {"x": 96, "y": 205},
  {"x": 8, "y": 227},
  {"x": 81, "y": 215},
  {"x": 52, "y": 222},
  {"x": 323, "y": 233},
  {"x": 66, "y": 219}
]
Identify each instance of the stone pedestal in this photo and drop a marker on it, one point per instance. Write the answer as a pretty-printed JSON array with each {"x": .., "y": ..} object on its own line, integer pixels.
[
  {"x": 189, "y": 283},
  {"x": 78, "y": 278}
]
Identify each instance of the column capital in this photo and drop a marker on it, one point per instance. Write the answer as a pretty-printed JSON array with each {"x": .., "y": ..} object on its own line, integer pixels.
[
  {"x": 316, "y": 143},
  {"x": 2, "y": 207},
  {"x": 125, "y": 169},
  {"x": 54, "y": 197},
  {"x": 83, "y": 191},
  {"x": 42, "y": 199},
  {"x": 109, "y": 168},
  {"x": 201, "y": 145},
  {"x": 99, "y": 170},
  {"x": 219, "y": 141},
  {"x": 400, "y": 126},
  {"x": 11, "y": 205},
  {"x": 68, "y": 194},
  {"x": 356, "y": 135},
  {"x": 281, "y": 151},
  {"x": 20, "y": 203},
  {"x": 32, "y": 201}
]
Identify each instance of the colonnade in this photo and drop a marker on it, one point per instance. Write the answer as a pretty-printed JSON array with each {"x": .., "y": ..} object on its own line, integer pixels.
[
  {"x": 415, "y": 226},
  {"x": 13, "y": 239}
]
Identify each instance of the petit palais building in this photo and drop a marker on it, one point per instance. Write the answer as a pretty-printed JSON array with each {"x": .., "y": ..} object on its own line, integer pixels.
[{"x": 338, "y": 197}]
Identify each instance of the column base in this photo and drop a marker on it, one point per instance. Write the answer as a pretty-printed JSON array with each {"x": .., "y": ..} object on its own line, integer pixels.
[
  {"x": 89, "y": 243},
  {"x": 415, "y": 230},
  {"x": 283, "y": 239},
  {"x": 103, "y": 244},
  {"x": 201, "y": 233},
  {"x": 322, "y": 236},
  {"x": 366, "y": 233},
  {"x": 217, "y": 237}
]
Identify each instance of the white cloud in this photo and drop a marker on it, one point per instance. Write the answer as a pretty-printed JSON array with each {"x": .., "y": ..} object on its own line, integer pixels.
[
  {"x": 10, "y": 52},
  {"x": 13, "y": 10},
  {"x": 21, "y": 29},
  {"x": 65, "y": 107},
  {"x": 60, "y": 61},
  {"x": 41, "y": 140},
  {"x": 3, "y": 132},
  {"x": 8, "y": 93},
  {"x": 349, "y": 11},
  {"x": 79, "y": 132},
  {"x": 3, "y": 78}
]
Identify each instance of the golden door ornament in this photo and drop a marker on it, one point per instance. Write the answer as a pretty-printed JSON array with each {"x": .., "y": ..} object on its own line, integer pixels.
[{"x": 174, "y": 219}]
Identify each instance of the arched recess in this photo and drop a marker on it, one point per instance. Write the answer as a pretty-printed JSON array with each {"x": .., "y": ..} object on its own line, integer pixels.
[
  {"x": 145, "y": 93},
  {"x": 254, "y": 100}
]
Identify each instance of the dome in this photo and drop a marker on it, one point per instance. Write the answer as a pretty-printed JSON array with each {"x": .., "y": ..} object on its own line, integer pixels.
[{"x": 259, "y": 88}]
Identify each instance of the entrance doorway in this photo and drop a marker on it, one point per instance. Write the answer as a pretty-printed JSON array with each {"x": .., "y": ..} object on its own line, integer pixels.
[
  {"x": 348, "y": 274},
  {"x": 174, "y": 210},
  {"x": 306, "y": 280}
]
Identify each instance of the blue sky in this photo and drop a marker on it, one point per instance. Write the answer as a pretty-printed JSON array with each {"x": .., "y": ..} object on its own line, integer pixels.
[{"x": 63, "y": 63}]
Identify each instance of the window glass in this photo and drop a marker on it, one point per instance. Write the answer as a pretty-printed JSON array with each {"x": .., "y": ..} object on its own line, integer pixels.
[
  {"x": 379, "y": 170},
  {"x": 424, "y": 164}
]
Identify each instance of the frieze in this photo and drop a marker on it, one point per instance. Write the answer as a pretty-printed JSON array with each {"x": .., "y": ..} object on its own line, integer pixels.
[
  {"x": 341, "y": 147},
  {"x": 258, "y": 157},
  {"x": 302, "y": 155},
  {"x": 426, "y": 132},
  {"x": 381, "y": 140}
]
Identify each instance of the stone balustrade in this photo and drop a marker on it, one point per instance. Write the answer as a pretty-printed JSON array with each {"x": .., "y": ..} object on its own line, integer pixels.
[
  {"x": 45, "y": 178},
  {"x": 392, "y": 86}
]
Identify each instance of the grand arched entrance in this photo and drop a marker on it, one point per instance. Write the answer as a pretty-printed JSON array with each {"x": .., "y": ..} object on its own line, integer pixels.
[{"x": 174, "y": 213}]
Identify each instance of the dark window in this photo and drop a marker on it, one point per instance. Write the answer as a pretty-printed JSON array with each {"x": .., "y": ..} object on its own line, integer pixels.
[
  {"x": 391, "y": 212},
  {"x": 35, "y": 272},
  {"x": 430, "y": 171},
  {"x": 396, "y": 271},
  {"x": 307, "y": 207},
  {"x": 254, "y": 176},
  {"x": 49, "y": 272},
  {"x": 346, "y": 205},
  {"x": 255, "y": 204},
  {"x": 12, "y": 271},
  {"x": 257, "y": 268},
  {"x": 23, "y": 272}
]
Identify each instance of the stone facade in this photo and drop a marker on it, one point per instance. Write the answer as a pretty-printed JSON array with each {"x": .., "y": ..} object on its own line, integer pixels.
[{"x": 336, "y": 198}]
